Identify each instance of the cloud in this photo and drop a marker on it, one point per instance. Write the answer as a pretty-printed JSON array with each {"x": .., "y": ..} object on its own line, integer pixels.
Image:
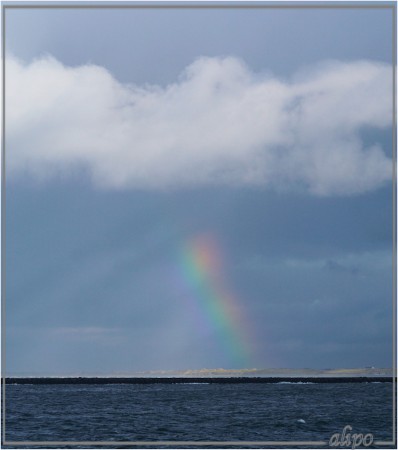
[
  {"x": 218, "y": 124},
  {"x": 363, "y": 263},
  {"x": 335, "y": 266}
]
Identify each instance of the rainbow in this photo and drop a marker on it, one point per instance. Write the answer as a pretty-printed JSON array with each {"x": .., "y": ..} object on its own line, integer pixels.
[{"x": 214, "y": 305}]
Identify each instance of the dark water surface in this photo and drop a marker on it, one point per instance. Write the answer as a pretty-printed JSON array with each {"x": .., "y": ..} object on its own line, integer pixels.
[{"x": 197, "y": 412}]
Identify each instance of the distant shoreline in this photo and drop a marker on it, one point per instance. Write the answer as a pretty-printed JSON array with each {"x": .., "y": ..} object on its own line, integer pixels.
[{"x": 190, "y": 380}]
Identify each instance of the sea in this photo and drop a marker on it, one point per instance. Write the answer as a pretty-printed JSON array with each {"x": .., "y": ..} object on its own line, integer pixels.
[{"x": 231, "y": 415}]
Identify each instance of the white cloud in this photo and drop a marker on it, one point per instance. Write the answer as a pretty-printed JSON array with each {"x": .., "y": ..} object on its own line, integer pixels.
[{"x": 218, "y": 124}]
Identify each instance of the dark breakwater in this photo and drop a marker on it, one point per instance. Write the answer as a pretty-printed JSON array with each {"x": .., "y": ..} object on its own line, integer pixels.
[{"x": 184, "y": 380}]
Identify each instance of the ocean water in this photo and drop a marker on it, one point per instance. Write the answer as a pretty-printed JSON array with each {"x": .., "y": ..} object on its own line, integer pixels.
[{"x": 197, "y": 412}]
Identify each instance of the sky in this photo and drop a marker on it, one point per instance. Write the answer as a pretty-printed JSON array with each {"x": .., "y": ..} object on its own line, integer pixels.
[{"x": 198, "y": 188}]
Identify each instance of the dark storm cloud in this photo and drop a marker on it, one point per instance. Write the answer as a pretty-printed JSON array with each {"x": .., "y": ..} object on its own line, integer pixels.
[{"x": 96, "y": 270}]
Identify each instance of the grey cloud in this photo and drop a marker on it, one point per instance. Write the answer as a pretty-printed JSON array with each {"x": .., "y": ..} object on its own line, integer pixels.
[{"x": 337, "y": 267}]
